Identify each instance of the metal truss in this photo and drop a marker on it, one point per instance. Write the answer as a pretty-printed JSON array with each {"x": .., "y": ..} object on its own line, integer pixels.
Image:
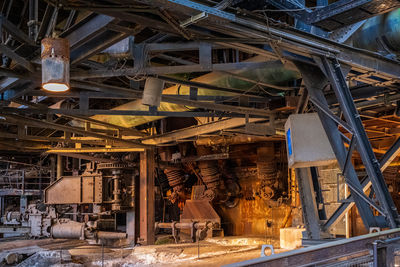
[
  {"x": 315, "y": 80},
  {"x": 337, "y": 14}
]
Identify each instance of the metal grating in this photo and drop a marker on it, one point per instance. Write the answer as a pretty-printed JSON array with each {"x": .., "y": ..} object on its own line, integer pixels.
[{"x": 344, "y": 13}]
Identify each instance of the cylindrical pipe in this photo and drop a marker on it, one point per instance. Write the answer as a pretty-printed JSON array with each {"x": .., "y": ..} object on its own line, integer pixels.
[
  {"x": 13, "y": 215},
  {"x": 152, "y": 92},
  {"x": 116, "y": 176},
  {"x": 380, "y": 33},
  {"x": 110, "y": 235},
  {"x": 68, "y": 230},
  {"x": 196, "y": 225},
  {"x": 275, "y": 73},
  {"x": 33, "y": 18}
]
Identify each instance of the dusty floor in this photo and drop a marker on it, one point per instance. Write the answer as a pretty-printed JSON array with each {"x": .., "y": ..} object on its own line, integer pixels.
[{"x": 212, "y": 252}]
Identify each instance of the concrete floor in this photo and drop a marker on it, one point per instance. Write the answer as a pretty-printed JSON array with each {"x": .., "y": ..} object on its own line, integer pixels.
[{"x": 213, "y": 252}]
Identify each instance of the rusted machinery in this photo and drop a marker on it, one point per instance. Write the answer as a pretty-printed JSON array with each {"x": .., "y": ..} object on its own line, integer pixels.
[
  {"x": 198, "y": 230},
  {"x": 210, "y": 173},
  {"x": 76, "y": 230},
  {"x": 267, "y": 172},
  {"x": 107, "y": 187},
  {"x": 176, "y": 178},
  {"x": 198, "y": 219},
  {"x": 44, "y": 221},
  {"x": 96, "y": 198}
]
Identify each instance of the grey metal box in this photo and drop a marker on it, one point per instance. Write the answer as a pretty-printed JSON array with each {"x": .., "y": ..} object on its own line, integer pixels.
[{"x": 306, "y": 141}]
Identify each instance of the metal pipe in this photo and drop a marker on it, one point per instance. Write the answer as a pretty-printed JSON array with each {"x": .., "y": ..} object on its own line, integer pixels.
[
  {"x": 116, "y": 176},
  {"x": 380, "y": 34},
  {"x": 197, "y": 225},
  {"x": 110, "y": 235},
  {"x": 68, "y": 230},
  {"x": 375, "y": 253},
  {"x": 275, "y": 73},
  {"x": 33, "y": 18}
]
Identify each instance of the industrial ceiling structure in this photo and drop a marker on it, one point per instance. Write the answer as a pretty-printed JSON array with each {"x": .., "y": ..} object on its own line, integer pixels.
[
  {"x": 142, "y": 80},
  {"x": 212, "y": 56}
]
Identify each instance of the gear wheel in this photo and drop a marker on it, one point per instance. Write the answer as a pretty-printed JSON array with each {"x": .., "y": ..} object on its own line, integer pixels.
[{"x": 265, "y": 192}]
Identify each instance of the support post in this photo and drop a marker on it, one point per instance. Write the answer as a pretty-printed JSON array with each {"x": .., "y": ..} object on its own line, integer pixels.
[
  {"x": 53, "y": 173},
  {"x": 23, "y": 204},
  {"x": 308, "y": 203},
  {"x": 335, "y": 75},
  {"x": 315, "y": 81},
  {"x": 147, "y": 214},
  {"x": 60, "y": 166},
  {"x": 130, "y": 226},
  {"x": 384, "y": 162},
  {"x": 2, "y": 206}
]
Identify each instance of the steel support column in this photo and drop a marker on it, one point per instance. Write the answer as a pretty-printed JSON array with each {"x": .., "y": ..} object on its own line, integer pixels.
[
  {"x": 146, "y": 191},
  {"x": 315, "y": 81},
  {"x": 308, "y": 202},
  {"x": 384, "y": 162},
  {"x": 130, "y": 226},
  {"x": 335, "y": 75},
  {"x": 60, "y": 166}
]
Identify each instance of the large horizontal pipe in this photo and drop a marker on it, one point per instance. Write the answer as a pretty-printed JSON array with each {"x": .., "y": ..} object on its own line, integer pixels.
[
  {"x": 184, "y": 225},
  {"x": 380, "y": 33},
  {"x": 110, "y": 235},
  {"x": 274, "y": 73},
  {"x": 68, "y": 230}
]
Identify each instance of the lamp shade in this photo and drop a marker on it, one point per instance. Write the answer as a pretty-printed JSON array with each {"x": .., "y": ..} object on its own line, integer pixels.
[{"x": 55, "y": 64}]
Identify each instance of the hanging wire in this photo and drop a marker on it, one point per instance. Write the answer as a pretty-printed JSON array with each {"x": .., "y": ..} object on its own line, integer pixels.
[{"x": 140, "y": 66}]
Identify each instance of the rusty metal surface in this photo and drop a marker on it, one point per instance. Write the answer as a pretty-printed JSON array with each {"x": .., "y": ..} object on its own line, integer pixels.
[
  {"x": 110, "y": 235},
  {"x": 55, "y": 47},
  {"x": 200, "y": 211},
  {"x": 68, "y": 229},
  {"x": 75, "y": 189},
  {"x": 55, "y": 64}
]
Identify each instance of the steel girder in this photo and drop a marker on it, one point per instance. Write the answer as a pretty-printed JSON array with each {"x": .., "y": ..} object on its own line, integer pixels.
[
  {"x": 310, "y": 198},
  {"x": 150, "y": 113},
  {"x": 326, "y": 254},
  {"x": 315, "y": 81},
  {"x": 384, "y": 162},
  {"x": 338, "y": 82},
  {"x": 291, "y": 43},
  {"x": 206, "y": 128},
  {"x": 21, "y": 120},
  {"x": 92, "y": 34},
  {"x": 338, "y": 14}
]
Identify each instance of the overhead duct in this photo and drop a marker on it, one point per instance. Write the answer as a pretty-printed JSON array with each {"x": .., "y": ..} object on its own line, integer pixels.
[
  {"x": 380, "y": 34},
  {"x": 275, "y": 74}
]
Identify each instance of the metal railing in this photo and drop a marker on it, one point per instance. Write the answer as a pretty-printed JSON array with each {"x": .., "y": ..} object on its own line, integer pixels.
[{"x": 374, "y": 249}]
